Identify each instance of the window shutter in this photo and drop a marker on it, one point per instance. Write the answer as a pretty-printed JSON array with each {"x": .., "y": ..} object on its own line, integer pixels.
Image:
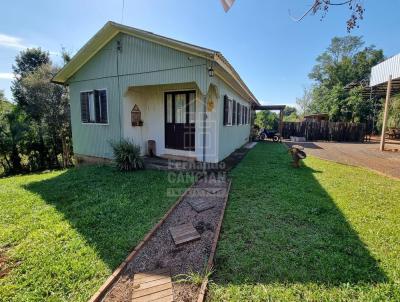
[
  {"x": 84, "y": 107},
  {"x": 96, "y": 106},
  {"x": 226, "y": 110},
  {"x": 103, "y": 105},
  {"x": 245, "y": 116},
  {"x": 234, "y": 113}
]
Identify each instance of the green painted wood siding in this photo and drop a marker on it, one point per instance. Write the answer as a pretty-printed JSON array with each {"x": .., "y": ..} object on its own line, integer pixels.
[
  {"x": 140, "y": 63},
  {"x": 229, "y": 137}
]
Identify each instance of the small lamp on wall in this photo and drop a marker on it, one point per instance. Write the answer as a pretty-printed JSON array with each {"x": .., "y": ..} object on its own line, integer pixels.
[{"x": 211, "y": 71}]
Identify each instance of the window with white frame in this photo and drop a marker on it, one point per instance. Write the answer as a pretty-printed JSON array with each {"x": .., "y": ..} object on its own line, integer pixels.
[
  {"x": 94, "y": 107},
  {"x": 228, "y": 111}
]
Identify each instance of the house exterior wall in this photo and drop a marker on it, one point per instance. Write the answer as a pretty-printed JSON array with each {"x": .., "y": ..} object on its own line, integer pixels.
[
  {"x": 150, "y": 100},
  {"x": 140, "y": 74},
  {"x": 140, "y": 63},
  {"x": 229, "y": 137}
]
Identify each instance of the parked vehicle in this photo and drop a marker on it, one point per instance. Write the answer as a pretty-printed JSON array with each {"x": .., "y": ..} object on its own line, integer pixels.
[{"x": 269, "y": 134}]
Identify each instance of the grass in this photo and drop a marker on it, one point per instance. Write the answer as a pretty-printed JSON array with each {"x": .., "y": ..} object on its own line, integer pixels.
[
  {"x": 63, "y": 233},
  {"x": 324, "y": 232}
]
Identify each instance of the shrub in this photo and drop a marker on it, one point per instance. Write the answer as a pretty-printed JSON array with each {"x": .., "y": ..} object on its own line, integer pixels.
[{"x": 127, "y": 155}]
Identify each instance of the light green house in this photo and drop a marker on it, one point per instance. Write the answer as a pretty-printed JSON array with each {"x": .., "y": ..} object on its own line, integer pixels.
[{"x": 129, "y": 83}]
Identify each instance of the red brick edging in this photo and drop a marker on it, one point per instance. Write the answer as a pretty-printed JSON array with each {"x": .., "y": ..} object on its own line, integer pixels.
[
  {"x": 203, "y": 288},
  {"x": 99, "y": 295}
]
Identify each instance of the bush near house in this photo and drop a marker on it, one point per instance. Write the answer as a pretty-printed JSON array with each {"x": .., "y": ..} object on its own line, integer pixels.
[{"x": 127, "y": 155}]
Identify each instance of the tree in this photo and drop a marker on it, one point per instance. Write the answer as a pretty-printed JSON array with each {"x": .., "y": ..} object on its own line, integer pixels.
[
  {"x": 305, "y": 102},
  {"x": 290, "y": 114},
  {"x": 267, "y": 119},
  {"x": 48, "y": 103},
  {"x": 323, "y": 6},
  {"x": 38, "y": 128},
  {"x": 25, "y": 63},
  {"x": 346, "y": 61}
]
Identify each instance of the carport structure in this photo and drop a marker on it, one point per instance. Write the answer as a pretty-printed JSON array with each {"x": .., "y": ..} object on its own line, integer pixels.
[
  {"x": 385, "y": 81},
  {"x": 273, "y": 107}
]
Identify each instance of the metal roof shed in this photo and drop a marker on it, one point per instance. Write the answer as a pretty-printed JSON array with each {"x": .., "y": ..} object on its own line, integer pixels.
[{"x": 386, "y": 76}]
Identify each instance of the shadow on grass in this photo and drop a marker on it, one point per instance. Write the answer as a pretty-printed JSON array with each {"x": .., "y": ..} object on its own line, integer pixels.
[
  {"x": 111, "y": 210},
  {"x": 282, "y": 226}
]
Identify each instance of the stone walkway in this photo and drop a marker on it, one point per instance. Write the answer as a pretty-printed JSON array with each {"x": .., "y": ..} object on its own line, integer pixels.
[{"x": 182, "y": 244}]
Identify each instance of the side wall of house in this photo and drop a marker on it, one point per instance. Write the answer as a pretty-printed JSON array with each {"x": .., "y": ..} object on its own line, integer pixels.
[
  {"x": 139, "y": 63},
  {"x": 230, "y": 137}
]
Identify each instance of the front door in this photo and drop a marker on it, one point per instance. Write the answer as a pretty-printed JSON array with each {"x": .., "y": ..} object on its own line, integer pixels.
[{"x": 180, "y": 118}]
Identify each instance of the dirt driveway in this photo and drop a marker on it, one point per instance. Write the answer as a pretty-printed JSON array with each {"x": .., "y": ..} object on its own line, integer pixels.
[{"x": 358, "y": 154}]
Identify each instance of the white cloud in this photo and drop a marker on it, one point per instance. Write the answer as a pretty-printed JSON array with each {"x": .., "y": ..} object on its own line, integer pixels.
[
  {"x": 6, "y": 76},
  {"x": 12, "y": 42}
]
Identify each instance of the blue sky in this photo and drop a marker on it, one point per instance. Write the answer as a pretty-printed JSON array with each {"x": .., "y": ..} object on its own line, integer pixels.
[{"x": 272, "y": 53}]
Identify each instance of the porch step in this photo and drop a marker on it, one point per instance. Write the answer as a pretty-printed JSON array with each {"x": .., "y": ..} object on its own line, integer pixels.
[{"x": 179, "y": 158}]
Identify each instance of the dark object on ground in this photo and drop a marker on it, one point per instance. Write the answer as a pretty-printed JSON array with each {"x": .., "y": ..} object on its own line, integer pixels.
[
  {"x": 269, "y": 134},
  {"x": 297, "y": 154}
]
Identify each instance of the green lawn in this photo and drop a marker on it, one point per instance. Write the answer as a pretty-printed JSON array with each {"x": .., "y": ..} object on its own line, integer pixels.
[
  {"x": 62, "y": 233},
  {"x": 324, "y": 232}
]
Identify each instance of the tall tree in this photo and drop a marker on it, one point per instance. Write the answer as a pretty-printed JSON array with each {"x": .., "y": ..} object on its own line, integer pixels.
[
  {"x": 304, "y": 102},
  {"x": 49, "y": 102},
  {"x": 25, "y": 63},
  {"x": 267, "y": 119},
  {"x": 346, "y": 61}
]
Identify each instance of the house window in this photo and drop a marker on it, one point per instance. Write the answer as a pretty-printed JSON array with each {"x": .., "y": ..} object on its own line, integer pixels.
[
  {"x": 239, "y": 114},
  {"x": 228, "y": 111},
  {"x": 234, "y": 115},
  {"x": 94, "y": 107}
]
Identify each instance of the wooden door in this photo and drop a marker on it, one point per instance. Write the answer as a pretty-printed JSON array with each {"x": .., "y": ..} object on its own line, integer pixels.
[{"x": 180, "y": 114}]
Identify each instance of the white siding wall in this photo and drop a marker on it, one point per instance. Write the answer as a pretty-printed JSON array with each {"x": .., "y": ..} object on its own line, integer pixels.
[
  {"x": 151, "y": 103},
  {"x": 230, "y": 137}
]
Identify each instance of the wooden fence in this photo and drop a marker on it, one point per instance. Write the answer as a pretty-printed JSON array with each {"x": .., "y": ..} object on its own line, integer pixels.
[{"x": 325, "y": 130}]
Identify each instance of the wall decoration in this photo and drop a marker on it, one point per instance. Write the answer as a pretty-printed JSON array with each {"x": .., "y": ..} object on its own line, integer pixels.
[{"x": 136, "y": 116}]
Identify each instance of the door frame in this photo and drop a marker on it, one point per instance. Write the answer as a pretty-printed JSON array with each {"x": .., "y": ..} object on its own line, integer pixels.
[{"x": 187, "y": 116}]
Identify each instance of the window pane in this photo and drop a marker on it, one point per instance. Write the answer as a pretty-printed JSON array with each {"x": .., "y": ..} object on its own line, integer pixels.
[
  {"x": 180, "y": 108},
  {"x": 84, "y": 107},
  {"x": 169, "y": 108},
  {"x": 92, "y": 117},
  {"x": 192, "y": 108},
  {"x": 103, "y": 106},
  {"x": 230, "y": 112}
]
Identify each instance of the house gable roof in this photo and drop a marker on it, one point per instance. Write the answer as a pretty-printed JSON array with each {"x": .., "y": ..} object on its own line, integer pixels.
[{"x": 111, "y": 29}]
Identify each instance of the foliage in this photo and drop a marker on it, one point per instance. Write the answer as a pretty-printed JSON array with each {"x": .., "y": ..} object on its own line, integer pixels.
[
  {"x": 346, "y": 61},
  {"x": 322, "y": 7},
  {"x": 194, "y": 278},
  {"x": 393, "y": 119},
  {"x": 324, "y": 232},
  {"x": 290, "y": 114},
  {"x": 48, "y": 105},
  {"x": 25, "y": 63},
  {"x": 267, "y": 119},
  {"x": 37, "y": 131},
  {"x": 64, "y": 232},
  {"x": 304, "y": 102},
  {"x": 127, "y": 155}
]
